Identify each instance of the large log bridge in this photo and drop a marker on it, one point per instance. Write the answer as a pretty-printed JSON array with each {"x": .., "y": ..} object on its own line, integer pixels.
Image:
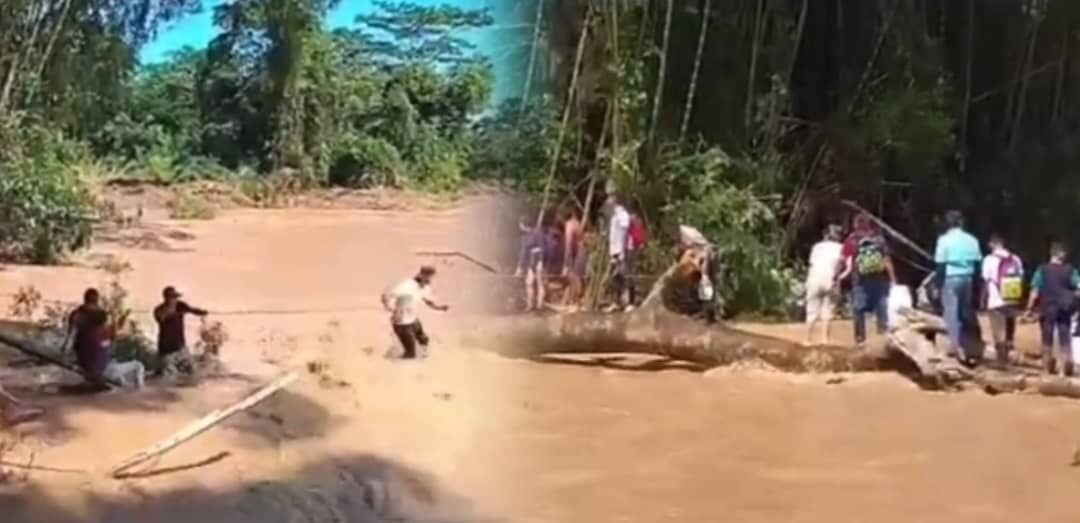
[{"x": 654, "y": 330}]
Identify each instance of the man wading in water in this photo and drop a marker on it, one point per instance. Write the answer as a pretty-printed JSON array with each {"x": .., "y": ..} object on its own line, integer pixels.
[
  {"x": 172, "y": 344},
  {"x": 401, "y": 302}
]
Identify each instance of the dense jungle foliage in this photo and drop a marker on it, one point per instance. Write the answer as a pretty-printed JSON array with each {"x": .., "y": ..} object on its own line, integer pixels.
[
  {"x": 275, "y": 99},
  {"x": 755, "y": 119}
]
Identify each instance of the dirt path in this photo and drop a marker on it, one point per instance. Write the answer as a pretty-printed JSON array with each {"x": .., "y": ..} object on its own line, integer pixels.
[{"x": 620, "y": 439}]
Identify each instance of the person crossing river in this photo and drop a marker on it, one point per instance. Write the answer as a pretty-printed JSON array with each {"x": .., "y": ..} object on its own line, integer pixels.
[{"x": 866, "y": 258}]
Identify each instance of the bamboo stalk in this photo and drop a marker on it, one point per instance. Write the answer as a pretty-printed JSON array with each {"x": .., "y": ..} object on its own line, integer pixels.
[
  {"x": 567, "y": 106},
  {"x": 532, "y": 56},
  {"x": 967, "y": 74},
  {"x": 692, "y": 89},
  {"x": 205, "y": 423},
  {"x": 748, "y": 115},
  {"x": 658, "y": 97}
]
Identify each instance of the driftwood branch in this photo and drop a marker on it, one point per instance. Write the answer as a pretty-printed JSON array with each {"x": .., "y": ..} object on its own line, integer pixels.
[
  {"x": 203, "y": 424},
  {"x": 27, "y": 347}
]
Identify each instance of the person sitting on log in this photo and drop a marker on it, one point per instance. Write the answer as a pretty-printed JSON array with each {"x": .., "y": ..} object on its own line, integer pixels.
[
  {"x": 88, "y": 334},
  {"x": 691, "y": 243}
]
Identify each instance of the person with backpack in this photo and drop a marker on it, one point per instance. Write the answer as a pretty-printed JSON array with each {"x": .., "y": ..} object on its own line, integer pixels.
[
  {"x": 1003, "y": 293},
  {"x": 957, "y": 257},
  {"x": 1053, "y": 290},
  {"x": 866, "y": 258}
]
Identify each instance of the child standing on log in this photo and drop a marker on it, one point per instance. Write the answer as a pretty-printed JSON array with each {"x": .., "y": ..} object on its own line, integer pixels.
[
  {"x": 402, "y": 301},
  {"x": 1053, "y": 291},
  {"x": 534, "y": 252}
]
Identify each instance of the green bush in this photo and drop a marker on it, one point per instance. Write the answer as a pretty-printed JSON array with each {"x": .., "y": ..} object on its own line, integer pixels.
[
  {"x": 188, "y": 206},
  {"x": 45, "y": 207}
]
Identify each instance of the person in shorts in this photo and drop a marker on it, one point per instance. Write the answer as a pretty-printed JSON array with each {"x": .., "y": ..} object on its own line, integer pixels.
[
  {"x": 531, "y": 264},
  {"x": 402, "y": 301},
  {"x": 1003, "y": 293},
  {"x": 825, "y": 260}
]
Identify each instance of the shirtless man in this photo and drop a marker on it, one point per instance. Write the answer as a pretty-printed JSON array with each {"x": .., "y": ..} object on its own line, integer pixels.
[
  {"x": 401, "y": 302},
  {"x": 575, "y": 261}
]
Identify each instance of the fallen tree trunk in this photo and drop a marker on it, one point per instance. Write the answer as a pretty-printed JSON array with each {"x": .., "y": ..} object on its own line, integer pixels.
[
  {"x": 25, "y": 338},
  {"x": 657, "y": 331}
]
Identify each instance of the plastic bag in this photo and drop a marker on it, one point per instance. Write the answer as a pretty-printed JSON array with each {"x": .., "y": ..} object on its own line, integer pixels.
[
  {"x": 705, "y": 289},
  {"x": 899, "y": 298}
]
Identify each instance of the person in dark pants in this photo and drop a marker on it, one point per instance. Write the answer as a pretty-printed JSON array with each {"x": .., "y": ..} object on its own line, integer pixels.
[
  {"x": 867, "y": 259},
  {"x": 172, "y": 342},
  {"x": 87, "y": 331},
  {"x": 402, "y": 301},
  {"x": 1053, "y": 290}
]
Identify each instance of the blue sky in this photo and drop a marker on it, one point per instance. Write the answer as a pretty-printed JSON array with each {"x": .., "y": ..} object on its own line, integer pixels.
[{"x": 506, "y": 43}]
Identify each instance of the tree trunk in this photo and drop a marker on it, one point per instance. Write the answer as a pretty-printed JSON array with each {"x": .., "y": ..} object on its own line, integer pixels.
[
  {"x": 571, "y": 92},
  {"x": 692, "y": 89},
  {"x": 532, "y": 55},
  {"x": 1059, "y": 85},
  {"x": 1022, "y": 96},
  {"x": 657, "y": 331},
  {"x": 969, "y": 56},
  {"x": 658, "y": 97},
  {"x": 751, "y": 80}
]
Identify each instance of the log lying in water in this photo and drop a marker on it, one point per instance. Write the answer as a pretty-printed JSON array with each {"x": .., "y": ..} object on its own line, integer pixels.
[
  {"x": 656, "y": 331},
  {"x": 938, "y": 371}
]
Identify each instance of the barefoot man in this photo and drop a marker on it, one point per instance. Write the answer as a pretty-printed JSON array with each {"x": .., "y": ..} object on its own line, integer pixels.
[
  {"x": 531, "y": 264},
  {"x": 402, "y": 301},
  {"x": 575, "y": 262}
]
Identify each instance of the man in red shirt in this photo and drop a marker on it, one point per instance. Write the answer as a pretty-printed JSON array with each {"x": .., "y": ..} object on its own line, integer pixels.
[{"x": 867, "y": 259}]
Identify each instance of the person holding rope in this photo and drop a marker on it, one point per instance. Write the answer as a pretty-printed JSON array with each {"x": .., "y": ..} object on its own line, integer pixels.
[
  {"x": 825, "y": 258},
  {"x": 172, "y": 342},
  {"x": 402, "y": 301}
]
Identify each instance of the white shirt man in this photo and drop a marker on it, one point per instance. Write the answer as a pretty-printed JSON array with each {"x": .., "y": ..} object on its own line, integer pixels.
[
  {"x": 825, "y": 259},
  {"x": 402, "y": 301},
  {"x": 618, "y": 231},
  {"x": 1003, "y": 273}
]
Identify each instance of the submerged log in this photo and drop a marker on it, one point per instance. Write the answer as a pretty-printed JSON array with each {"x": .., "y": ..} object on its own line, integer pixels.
[{"x": 656, "y": 331}]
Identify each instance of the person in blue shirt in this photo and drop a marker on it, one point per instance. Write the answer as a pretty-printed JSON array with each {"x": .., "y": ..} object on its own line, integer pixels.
[
  {"x": 1053, "y": 290},
  {"x": 958, "y": 258}
]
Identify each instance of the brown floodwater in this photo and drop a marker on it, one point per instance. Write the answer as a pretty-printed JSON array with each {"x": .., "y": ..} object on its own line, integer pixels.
[{"x": 657, "y": 442}]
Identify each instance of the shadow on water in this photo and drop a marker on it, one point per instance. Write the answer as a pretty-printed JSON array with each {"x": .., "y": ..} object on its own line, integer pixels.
[
  {"x": 362, "y": 488},
  {"x": 622, "y": 363}
]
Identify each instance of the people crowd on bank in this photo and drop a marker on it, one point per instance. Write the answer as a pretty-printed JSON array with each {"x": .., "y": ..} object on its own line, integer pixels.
[{"x": 964, "y": 280}]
